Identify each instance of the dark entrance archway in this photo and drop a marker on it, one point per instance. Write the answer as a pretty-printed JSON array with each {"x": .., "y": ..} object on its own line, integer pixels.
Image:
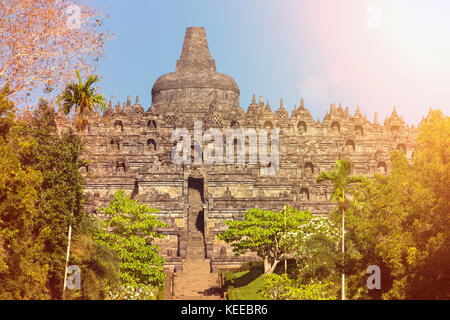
[{"x": 196, "y": 220}]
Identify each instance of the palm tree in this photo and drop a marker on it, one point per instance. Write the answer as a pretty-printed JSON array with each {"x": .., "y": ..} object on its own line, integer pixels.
[
  {"x": 341, "y": 179},
  {"x": 82, "y": 98}
]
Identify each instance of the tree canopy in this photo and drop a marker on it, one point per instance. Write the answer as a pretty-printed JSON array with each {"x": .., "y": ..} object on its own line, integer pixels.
[
  {"x": 401, "y": 222},
  {"x": 129, "y": 231},
  {"x": 43, "y": 41},
  {"x": 264, "y": 232}
]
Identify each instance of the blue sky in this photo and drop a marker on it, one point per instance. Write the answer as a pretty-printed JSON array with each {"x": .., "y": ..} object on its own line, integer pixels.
[{"x": 371, "y": 53}]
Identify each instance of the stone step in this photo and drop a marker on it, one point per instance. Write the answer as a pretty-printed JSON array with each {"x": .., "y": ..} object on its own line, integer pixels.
[
  {"x": 195, "y": 236},
  {"x": 189, "y": 287},
  {"x": 196, "y": 267},
  {"x": 196, "y": 282},
  {"x": 196, "y": 277},
  {"x": 199, "y": 297},
  {"x": 196, "y": 248},
  {"x": 181, "y": 288}
]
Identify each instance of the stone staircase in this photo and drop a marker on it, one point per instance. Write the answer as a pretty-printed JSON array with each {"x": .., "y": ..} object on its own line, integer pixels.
[
  {"x": 196, "y": 282},
  {"x": 196, "y": 238}
]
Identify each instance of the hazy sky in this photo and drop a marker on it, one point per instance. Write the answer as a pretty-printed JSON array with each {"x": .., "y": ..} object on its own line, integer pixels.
[{"x": 371, "y": 53}]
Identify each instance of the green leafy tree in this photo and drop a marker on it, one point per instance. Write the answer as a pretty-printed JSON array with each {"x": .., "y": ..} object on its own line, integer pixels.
[
  {"x": 316, "y": 251},
  {"x": 129, "y": 231},
  {"x": 82, "y": 98},
  {"x": 41, "y": 192},
  {"x": 61, "y": 195},
  {"x": 341, "y": 180},
  {"x": 281, "y": 287},
  {"x": 7, "y": 114},
  {"x": 99, "y": 264},
  {"x": 23, "y": 274},
  {"x": 264, "y": 232},
  {"x": 400, "y": 221}
]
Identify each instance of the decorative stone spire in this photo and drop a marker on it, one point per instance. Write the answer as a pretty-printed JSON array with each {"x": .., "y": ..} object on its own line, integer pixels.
[
  {"x": 194, "y": 79},
  {"x": 137, "y": 108},
  {"x": 109, "y": 110},
  {"x": 128, "y": 101},
  {"x": 268, "y": 106},
  {"x": 394, "y": 113},
  {"x": 253, "y": 108},
  {"x": 118, "y": 108},
  {"x": 282, "y": 113},
  {"x": 375, "y": 118},
  {"x": 331, "y": 108},
  {"x": 302, "y": 104},
  {"x": 195, "y": 55}
]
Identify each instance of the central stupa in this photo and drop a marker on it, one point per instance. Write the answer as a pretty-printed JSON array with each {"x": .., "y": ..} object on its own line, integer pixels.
[{"x": 195, "y": 86}]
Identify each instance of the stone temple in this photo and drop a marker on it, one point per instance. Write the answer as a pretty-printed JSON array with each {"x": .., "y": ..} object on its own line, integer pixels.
[{"x": 131, "y": 150}]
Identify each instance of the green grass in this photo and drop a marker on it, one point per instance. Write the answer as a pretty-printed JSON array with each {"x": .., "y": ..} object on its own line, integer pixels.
[
  {"x": 247, "y": 284},
  {"x": 248, "y": 281}
]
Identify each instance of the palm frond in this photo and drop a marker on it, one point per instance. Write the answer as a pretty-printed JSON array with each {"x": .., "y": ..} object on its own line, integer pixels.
[
  {"x": 356, "y": 178},
  {"x": 340, "y": 177},
  {"x": 325, "y": 175},
  {"x": 81, "y": 97},
  {"x": 79, "y": 78}
]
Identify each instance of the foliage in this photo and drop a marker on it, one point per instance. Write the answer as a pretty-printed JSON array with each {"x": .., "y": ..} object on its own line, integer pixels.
[
  {"x": 42, "y": 43},
  {"x": 82, "y": 98},
  {"x": 99, "y": 265},
  {"x": 134, "y": 293},
  {"x": 316, "y": 250},
  {"x": 281, "y": 287},
  {"x": 42, "y": 189},
  {"x": 400, "y": 222},
  {"x": 341, "y": 179},
  {"x": 7, "y": 114},
  {"x": 61, "y": 194},
  {"x": 22, "y": 272},
  {"x": 264, "y": 232},
  {"x": 129, "y": 232}
]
